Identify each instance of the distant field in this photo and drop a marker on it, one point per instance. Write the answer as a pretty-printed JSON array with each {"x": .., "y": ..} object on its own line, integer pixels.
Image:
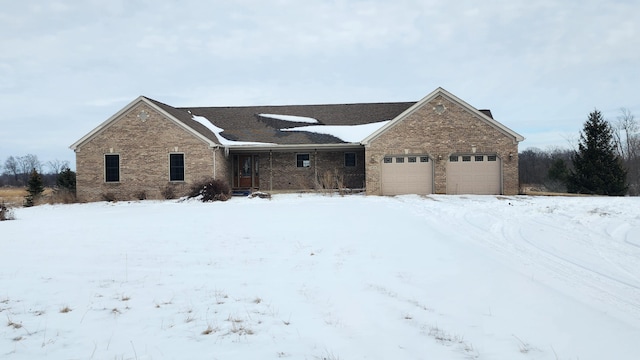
[{"x": 14, "y": 196}]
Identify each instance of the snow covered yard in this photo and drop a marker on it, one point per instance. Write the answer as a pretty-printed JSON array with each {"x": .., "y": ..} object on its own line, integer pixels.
[{"x": 321, "y": 277}]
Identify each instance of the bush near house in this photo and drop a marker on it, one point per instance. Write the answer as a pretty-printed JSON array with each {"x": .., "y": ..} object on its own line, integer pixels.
[{"x": 211, "y": 190}]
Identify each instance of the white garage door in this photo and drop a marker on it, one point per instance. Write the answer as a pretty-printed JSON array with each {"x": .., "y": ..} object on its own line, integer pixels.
[
  {"x": 473, "y": 174},
  {"x": 407, "y": 174}
]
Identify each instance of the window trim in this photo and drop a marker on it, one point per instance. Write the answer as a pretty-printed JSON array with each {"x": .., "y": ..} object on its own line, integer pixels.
[
  {"x": 183, "y": 167},
  {"x": 298, "y": 162},
  {"x": 355, "y": 159},
  {"x": 107, "y": 172}
]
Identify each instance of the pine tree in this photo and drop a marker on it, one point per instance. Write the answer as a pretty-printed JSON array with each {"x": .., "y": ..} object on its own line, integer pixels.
[
  {"x": 67, "y": 180},
  {"x": 597, "y": 168},
  {"x": 35, "y": 187}
]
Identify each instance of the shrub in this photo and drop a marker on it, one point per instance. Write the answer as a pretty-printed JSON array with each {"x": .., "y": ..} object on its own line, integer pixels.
[
  {"x": 5, "y": 213},
  {"x": 211, "y": 190},
  {"x": 110, "y": 197},
  {"x": 62, "y": 196},
  {"x": 169, "y": 192},
  {"x": 141, "y": 195}
]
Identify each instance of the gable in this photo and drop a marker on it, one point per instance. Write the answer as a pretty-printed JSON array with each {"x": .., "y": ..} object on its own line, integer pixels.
[
  {"x": 174, "y": 116},
  {"x": 434, "y": 102}
]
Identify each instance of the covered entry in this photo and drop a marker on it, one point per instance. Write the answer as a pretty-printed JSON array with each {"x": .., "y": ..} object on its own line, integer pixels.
[
  {"x": 245, "y": 171},
  {"x": 407, "y": 174},
  {"x": 474, "y": 174}
]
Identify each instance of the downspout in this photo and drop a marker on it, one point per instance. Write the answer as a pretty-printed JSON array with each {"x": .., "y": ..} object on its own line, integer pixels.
[
  {"x": 315, "y": 165},
  {"x": 270, "y": 171},
  {"x": 215, "y": 150}
]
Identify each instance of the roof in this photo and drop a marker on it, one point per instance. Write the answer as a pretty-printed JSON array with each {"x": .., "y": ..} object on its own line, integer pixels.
[
  {"x": 275, "y": 126},
  {"x": 265, "y": 124}
]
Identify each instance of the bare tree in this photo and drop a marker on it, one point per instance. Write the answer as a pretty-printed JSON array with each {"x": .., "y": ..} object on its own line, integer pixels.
[
  {"x": 56, "y": 166},
  {"x": 626, "y": 135},
  {"x": 11, "y": 168},
  {"x": 28, "y": 163},
  {"x": 626, "y": 138}
]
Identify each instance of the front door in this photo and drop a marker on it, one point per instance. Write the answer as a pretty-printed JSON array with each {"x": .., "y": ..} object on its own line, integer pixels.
[{"x": 246, "y": 171}]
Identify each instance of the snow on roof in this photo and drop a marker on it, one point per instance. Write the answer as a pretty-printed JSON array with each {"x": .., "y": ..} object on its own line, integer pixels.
[
  {"x": 346, "y": 133},
  {"x": 294, "y": 118},
  {"x": 216, "y": 130}
]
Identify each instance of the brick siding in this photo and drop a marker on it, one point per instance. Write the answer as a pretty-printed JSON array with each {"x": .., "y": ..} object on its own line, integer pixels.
[
  {"x": 455, "y": 131},
  {"x": 144, "y": 148}
]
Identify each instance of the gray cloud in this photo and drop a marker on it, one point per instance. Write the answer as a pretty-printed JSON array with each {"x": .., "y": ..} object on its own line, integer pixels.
[{"x": 540, "y": 66}]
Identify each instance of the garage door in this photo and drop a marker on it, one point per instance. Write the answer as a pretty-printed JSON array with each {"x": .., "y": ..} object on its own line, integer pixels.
[
  {"x": 407, "y": 175},
  {"x": 473, "y": 174}
]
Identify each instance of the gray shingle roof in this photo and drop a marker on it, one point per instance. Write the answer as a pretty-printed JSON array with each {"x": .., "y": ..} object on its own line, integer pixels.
[{"x": 244, "y": 123}]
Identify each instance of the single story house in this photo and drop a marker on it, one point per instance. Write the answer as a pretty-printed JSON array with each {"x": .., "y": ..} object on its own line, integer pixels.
[{"x": 439, "y": 144}]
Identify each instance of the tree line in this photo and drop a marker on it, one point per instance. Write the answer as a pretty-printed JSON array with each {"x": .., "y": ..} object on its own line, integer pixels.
[
  {"x": 16, "y": 170},
  {"x": 605, "y": 162}
]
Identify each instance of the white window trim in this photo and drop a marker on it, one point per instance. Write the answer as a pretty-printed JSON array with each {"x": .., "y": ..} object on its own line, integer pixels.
[
  {"x": 184, "y": 166},
  {"x": 104, "y": 168},
  {"x": 308, "y": 164}
]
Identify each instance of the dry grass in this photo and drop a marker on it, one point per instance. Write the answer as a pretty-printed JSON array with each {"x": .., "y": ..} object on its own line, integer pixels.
[{"x": 14, "y": 196}]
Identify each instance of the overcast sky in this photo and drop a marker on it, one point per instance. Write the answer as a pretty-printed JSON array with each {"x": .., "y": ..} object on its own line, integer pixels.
[{"x": 540, "y": 66}]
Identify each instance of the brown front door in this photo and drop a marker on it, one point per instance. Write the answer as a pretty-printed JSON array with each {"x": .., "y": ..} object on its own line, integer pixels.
[
  {"x": 246, "y": 175},
  {"x": 246, "y": 171}
]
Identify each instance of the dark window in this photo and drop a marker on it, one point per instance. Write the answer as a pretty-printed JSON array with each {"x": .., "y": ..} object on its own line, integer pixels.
[
  {"x": 388, "y": 160},
  {"x": 302, "y": 160},
  {"x": 112, "y": 168},
  {"x": 479, "y": 158},
  {"x": 412, "y": 159},
  {"x": 466, "y": 157},
  {"x": 453, "y": 158},
  {"x": 176, "y": 167},
  {"x": 349, "y": 159},
  {"x": 491, "y": 158},
  {"x": 399, "y": 160},
  {"x": 424, "y": 159}
]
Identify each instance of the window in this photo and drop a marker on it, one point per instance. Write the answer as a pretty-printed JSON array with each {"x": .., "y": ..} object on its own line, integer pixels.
[
  {"x": 424, "y": 159},
  {"x": 303, "y": 160},
  {"x": 399, "y": 160},
  {"x": 479, "y": 158},
  {"x": 453, "y": 158},
  {"x": 112, "y": 168},
  {"x": 388, "y": 160},
  {"x": 349, "y": 159},
  {"x": 466, "y": 157},
  {"x": 491, "y": 158},
  {"x": 412, "y": 159},
  {"x": 176, "y": 167}
]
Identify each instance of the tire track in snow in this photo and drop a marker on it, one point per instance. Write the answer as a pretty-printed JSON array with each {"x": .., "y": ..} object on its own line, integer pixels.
[
  {"x": 604, "y": 286},
  {"x": 512, "y": 241}
]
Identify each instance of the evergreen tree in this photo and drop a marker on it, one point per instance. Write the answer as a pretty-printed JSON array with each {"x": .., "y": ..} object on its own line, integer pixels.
[
  {"x": 558, "y": 171},
  {"x": 597, "y": 168},
  {"x": 67, "y": 180},
  {"x": 35, "y": 187}
]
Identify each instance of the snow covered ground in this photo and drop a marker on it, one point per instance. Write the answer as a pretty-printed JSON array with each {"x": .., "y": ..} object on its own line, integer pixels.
[{"x": 324, "y": 277}]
